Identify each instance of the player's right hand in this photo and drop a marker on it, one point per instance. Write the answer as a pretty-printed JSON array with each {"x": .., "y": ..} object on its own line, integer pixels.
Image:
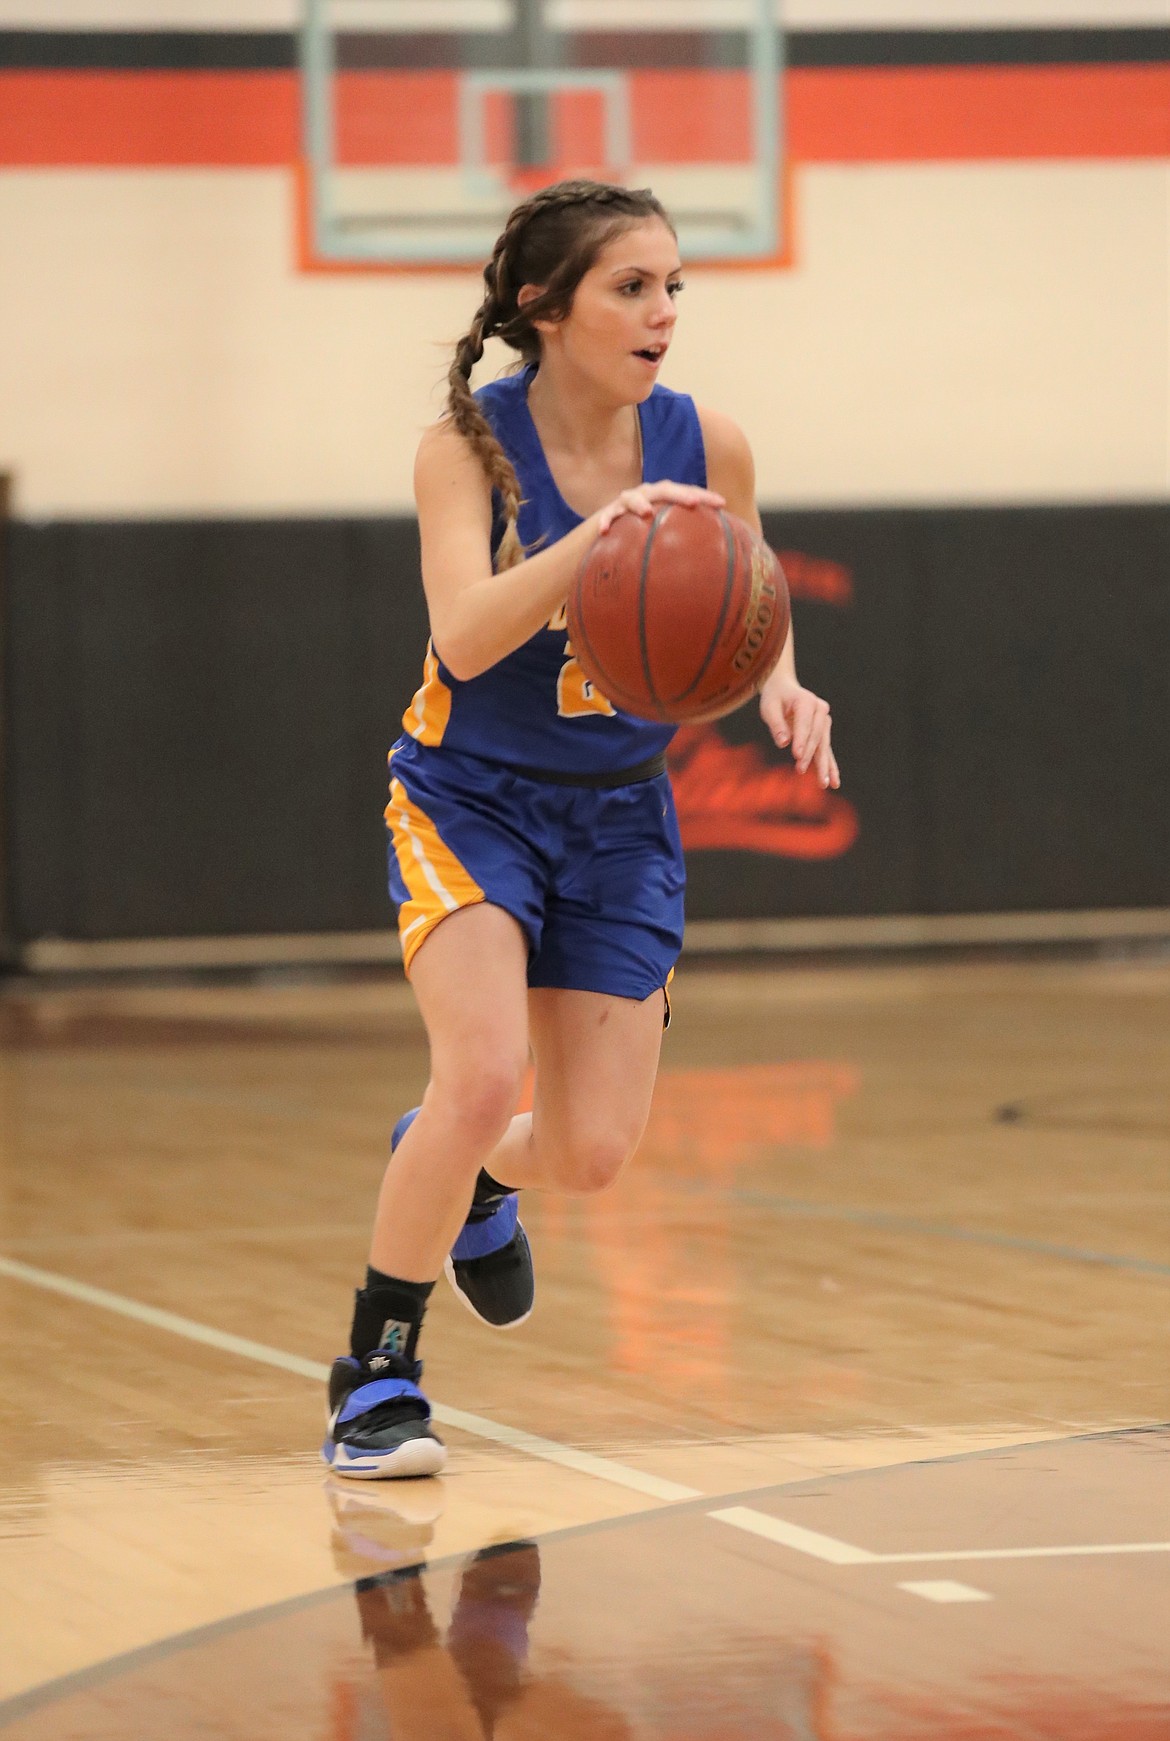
[{"x": 647, "y": 497}]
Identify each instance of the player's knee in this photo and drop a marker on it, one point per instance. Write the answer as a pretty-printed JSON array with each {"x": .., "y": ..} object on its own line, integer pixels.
[
  {"x": 481, "y": 1097},
  {"x": 593, "y": 1161}
]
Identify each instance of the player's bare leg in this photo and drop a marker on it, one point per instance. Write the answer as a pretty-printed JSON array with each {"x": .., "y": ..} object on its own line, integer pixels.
[
  {"x": 596, "y": 1062},
  {"x": 470, "y": 979}
]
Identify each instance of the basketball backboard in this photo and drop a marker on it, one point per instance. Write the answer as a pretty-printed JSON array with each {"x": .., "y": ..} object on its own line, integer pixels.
[{"x": 426, "y": 120}]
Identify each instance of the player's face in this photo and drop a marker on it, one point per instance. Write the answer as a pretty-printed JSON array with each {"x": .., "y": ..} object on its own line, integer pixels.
[{"x": 623, "y": 315}]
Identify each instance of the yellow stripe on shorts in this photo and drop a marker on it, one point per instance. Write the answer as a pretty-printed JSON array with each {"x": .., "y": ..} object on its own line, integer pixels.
[
  {"x": 435, "y": 880},
  {"x": 429, "y": 713}
]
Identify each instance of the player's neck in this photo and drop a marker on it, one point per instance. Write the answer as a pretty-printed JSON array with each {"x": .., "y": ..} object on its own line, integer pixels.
[{"x": 573, "y": 416}]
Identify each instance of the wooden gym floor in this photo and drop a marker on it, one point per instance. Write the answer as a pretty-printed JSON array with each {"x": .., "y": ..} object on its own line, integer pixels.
[{"x": 842, "y": 1416}]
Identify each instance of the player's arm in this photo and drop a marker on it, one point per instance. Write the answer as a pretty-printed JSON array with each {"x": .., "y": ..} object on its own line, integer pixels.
[
  {"x": 478, "y": 617},
  {"x": 732, "y": 471},
  {"x": 793, "y": 714},
  {"x": 730, "y": 467}
]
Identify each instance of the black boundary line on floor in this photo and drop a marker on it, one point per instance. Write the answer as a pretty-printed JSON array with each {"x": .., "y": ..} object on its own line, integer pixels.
[
  {"x": 100, "y": 1674},
  {"x": 912, "y": 1226},
  {"x": 276, "y": 50}
]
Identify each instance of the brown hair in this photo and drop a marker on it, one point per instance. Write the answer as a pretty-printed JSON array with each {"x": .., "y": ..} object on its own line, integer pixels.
[{"x": 551, "y": 240}]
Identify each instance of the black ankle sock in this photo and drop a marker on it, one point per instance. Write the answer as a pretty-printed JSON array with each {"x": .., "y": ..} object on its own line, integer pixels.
[
  {"x": 388, "y": 1313},
  {"x": 489, "y": 1190},
  {"x": 489, "y": 1194}
]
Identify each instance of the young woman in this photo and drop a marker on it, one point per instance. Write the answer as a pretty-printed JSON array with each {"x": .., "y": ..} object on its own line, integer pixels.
[{"x": 535, "y": 856}]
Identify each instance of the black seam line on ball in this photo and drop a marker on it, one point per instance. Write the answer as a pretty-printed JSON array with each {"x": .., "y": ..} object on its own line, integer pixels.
[
  {"x": 728, "y": 585},
  {"x": 646, "y": 673}
]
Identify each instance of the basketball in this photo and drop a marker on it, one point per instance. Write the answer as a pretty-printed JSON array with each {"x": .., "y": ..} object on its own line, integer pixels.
[{"x": 679, "y": 618}]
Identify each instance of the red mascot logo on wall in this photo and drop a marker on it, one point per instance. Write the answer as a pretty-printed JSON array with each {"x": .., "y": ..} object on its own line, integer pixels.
[{"x": 735, "y": 797}]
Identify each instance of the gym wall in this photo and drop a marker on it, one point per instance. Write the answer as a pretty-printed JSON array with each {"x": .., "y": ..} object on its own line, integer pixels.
[{"x": 957, "y": 393}]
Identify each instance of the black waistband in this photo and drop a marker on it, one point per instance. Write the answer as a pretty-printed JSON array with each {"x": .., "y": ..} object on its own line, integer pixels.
[{"x": 647, "y": 770}]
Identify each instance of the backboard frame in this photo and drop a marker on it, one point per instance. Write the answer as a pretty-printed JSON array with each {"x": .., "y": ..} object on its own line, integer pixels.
[{"x": 478, "y": 195}]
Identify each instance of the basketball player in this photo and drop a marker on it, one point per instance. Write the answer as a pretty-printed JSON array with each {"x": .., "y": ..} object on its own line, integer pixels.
[{"x": 535, "y": 855}]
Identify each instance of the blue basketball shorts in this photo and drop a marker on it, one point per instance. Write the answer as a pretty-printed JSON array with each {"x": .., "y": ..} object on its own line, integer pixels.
[{"x": 594, "y": 877}]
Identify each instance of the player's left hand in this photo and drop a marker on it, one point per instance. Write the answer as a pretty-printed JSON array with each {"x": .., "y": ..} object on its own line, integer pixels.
[{"x": 798, "y": 717}]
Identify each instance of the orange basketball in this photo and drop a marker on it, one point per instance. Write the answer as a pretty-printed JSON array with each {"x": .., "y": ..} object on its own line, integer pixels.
[{"x": 681, "y": 617}]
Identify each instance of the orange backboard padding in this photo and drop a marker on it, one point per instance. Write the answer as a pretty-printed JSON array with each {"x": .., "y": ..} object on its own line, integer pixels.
[
  {"x": 852, "y": 115},
  {"x": 692, "y": 117},
  {"x": 678, "y": 117},
  {"x": 397, "y": 118}
]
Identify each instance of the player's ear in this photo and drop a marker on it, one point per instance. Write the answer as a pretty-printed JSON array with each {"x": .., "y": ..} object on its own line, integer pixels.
[{"x": 531, "y": 293}]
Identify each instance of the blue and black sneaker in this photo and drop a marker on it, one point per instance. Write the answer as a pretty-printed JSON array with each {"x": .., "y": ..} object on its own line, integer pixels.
[
  {"x": 379, "y": 1420},
  {"x": 490, "y": 1266}
]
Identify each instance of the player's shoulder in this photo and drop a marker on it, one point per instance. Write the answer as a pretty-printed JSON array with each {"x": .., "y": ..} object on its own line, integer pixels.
[
  {"x": 722, "y": 435},
  {"x": 441, "y": 443},
  {"x": 729, "y": 454},
  {"x": 446, "y": 460}
]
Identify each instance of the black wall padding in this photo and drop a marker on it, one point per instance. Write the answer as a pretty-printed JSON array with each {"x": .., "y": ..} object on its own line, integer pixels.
[
  {"x": 1001, "y": 699},
  {"x": 198, "y": 715},
  {"x": 1046, "y": 730},
  {"x": 270, "y": 50},
  {"x": 199, "y": 722}
]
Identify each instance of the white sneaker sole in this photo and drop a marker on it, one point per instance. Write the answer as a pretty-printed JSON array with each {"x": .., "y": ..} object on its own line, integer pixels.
[{"x": 412, "y": 1457}]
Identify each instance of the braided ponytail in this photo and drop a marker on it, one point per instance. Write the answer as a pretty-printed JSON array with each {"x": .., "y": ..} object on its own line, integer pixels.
[
  {"x": 464, "y": 412},
  {"x": 549, "y": 240}
]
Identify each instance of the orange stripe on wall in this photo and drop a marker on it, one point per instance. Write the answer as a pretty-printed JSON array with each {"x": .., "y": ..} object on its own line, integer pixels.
[
  {"x": 851, "y": 115},
  {"x": 914, "y": 114},
  {"x": 130, "y": 120}
]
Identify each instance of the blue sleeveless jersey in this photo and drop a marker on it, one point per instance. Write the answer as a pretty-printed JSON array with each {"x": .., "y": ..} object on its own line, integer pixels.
[{"x": 535, "y": 708}]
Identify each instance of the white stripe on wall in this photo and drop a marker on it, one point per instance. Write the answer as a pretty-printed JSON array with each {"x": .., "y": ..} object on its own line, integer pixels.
[
  {"x": 583, "y": 14},
  {"x": 854, "y": 14},
  {"x": 938, "y": 341},
  {"x": 150, "y": 14},
  {"x": 420, "y": 14},
  {"x": 969, "y": 14}
]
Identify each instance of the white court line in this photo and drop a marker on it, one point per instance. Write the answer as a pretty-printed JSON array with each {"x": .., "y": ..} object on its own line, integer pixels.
[
  {"x": 160, "y": 1320},
  {"x": 943, "y": 1590},
  {"x": 584, "y": 1462},
  {"x": 775, "y": 1529},
  {"x": 791, "y": 1535},
  {"x": 1056, "y": 1553},
  {"x": 839, "y": 1553}
]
